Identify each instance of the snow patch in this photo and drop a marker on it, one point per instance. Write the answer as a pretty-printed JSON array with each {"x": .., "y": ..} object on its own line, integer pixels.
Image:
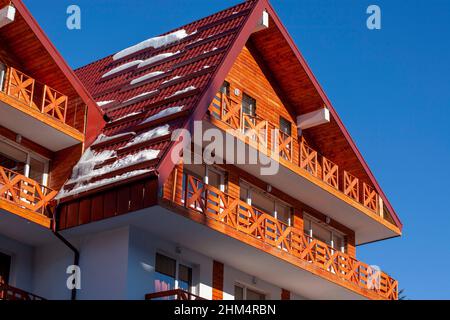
[
  {"x": 155, "y": 42},
  {"x": 146, "y": 77},
  {"x": 102, "y": 103},
  {"x": 157, "y": 58},
  {"x": 141, "y": 95},
  {"x": 84, "y": 169},
  {"x": 170, "y": 80},
  {"x": 149, "y": 135},
  {"x": 163, "y": 113},
  {"x": 103, "y": 138},
  {"x": 122, "y": 67},
  {"x": 190, "y": 88},
  {"x": 127, "y": 116}
]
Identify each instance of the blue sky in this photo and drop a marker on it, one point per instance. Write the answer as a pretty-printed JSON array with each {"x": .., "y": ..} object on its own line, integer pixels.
[{"x": 391, "y": 88}]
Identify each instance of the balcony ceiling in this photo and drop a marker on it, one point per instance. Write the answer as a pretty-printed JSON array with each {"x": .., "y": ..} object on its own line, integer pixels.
[
  {"x": 171, "y": 227},
  {"x": 26, "y": 125}
]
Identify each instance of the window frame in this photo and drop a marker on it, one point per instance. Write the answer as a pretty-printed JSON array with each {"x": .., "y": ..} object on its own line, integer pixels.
[
  {"x": 333, "y": 232},
  {"x": 245, "y": 288},
  {"x": 192, "y": 288}
]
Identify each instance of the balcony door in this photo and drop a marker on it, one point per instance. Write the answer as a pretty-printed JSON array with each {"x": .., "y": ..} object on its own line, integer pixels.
[
  {"x": 5, "y": 268},
  {"x": 19, "y": 160},
  {"x": 265, "y": 203},
  {"x": 170, "y": 274},
  {"x": 324, "y": 233}
]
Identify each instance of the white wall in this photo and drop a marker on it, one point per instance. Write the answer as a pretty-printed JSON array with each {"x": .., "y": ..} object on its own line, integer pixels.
[
  {"x": 233, "y": 276},
  {"x": 21, "y": 262},
  {"x": 103, "y": 264}
]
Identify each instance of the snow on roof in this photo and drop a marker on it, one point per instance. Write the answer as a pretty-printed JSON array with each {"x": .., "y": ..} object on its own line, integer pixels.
[
  {"x": 155, "y": 43},
  {"x": 141, "y": 95},
  {"x": 157, "y": 58},
  {"x": 122, "y": 67},
  {"x": 163, "y": 113},
  {"x": 103, "y": 103},
  {"x": 104, "y": 138},
  {"x": 217, "y": 31},
  {"x": 190, "y": 88},
  {"x": 149, "y": 135},
  {"x": 146, "y": 77}
]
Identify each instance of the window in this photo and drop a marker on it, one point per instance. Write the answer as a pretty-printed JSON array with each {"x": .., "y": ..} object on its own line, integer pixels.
[
  {"x": 241, "y": 292},
  {"x": 5, "y": 265},
  {"x": 172, "y": 275},
  {"x": 285, "y": 126},
  {"x": 225, "y": 88},
  {"x": 324, "y": 233},
  {"x": 248, "y": 105},
  {"x": 265, "y": 202},
  {"x": 2, "y": 75},
  {"x": 23, "y": 162}
]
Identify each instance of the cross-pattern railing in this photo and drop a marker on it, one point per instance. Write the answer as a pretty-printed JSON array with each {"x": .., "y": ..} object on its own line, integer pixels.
[
  {"x": 25, "y": 192},
  {"x": 35, "y": 95},
  {"x": 245, "y": 218},
  {"x": 227, "y": 109},
  {"x": 8, "y": 292},
  {"x": 176, "y": 294}
]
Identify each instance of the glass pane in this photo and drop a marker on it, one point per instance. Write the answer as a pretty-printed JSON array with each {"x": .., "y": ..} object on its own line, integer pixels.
[
  {"x": 253, "y": 295},
  {"x": 165, "y": 273},
  {"x": 248, "y": 105},
  {"x": 214, "y": 179},
  {"x": 285, "y": 126},
  {"x": 2, "y": 76},
  {"x": 321, "y": 233},
  {"x": 12, "y": 158},
  {"x": 283, "y": 212},
  {"x": 338, "y": 242},
  {"x": 225, "y": 88},
  {"x": 244, "y": 192},
  {"x": 165, "y": 265},
  {"x": 238, "y": 293},
  {"x": 263, "y": 202},
  {"x": 37, "y": 170},
  {"x": 184, "y": 278}
]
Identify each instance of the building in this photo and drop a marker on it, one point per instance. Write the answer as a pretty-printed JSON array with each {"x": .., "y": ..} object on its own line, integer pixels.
[{"x": 277, "y": 215}]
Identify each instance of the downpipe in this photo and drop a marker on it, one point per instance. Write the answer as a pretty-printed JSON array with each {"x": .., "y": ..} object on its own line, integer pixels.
[{"x": 76, "y": 253}]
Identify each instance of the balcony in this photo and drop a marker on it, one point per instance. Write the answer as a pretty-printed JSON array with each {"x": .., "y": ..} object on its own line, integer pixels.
[
  {"x": 176, "y": 294},
  {"x": 38, "y": 111},
  {"x": 25, "y": 197},
  {"x": 320, "y": 182},
  {"x": 8, "y": 292},
  {"x": 325, "y": 261}
]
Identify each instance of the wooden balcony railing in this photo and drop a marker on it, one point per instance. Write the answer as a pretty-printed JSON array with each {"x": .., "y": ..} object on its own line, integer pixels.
[
  {"x": 228, "y": 110},
  {"x": 35, "y": 95},
  {"x": 254, "y": 222},
  {"x": 8, "y": 292},
  {"x": 25, "y": 192},
  {"x": 176, "y": 294}
]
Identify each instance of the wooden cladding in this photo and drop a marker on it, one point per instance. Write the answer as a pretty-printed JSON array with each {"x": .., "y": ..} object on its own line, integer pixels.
[
  {"x": 268, "y": 137},
  {"x": 119, "y": 200},
  {"x": 217, "y": 280},
  {"x": 8, "y": 292},
  {"x": 239, "y": 215},
  {"x": 25, "y": 192}
]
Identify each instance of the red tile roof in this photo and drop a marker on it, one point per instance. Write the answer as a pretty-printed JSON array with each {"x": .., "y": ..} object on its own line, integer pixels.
[
  {"x": 203, "y": 59},
  {"x": 196, "y": 59}
]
